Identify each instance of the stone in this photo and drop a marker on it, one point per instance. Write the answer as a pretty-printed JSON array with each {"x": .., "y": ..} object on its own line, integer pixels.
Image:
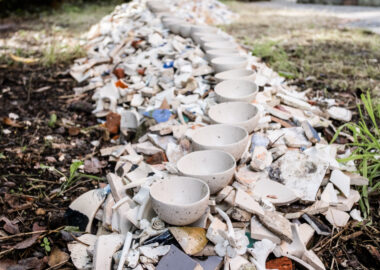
[
  {"x": 247, "y": 203},
  {"x": 175, "y": 259},
  {"x": 277, "y": 224},
  {"x": 239, "y": 215}
]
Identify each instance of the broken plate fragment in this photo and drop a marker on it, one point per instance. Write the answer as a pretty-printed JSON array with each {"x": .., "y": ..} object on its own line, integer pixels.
[
  {"x": 191, "y": 239},
  {"x": 275, "y": 192},
  {"x": 82, "y": 210},
  {"x": 341, "y": 181},
  {"x": 175, "y": 259}
]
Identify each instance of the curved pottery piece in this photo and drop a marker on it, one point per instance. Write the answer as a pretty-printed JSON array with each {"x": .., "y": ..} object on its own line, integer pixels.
[
  {"x": 228, "y": 138},
  {"x": 211, "y": 54},
  {"x": 235, "y": 74},
  {"x": 185, "y": 29},
  {"x": 219, "y": 45},
  {"x": 180, "y": 200},
  {"x": 242, "y": 114},
  {"x": 199, "y": 30},
  {"x": 214, "y": 167},
  {"x": 225, "y": 63},
  {"x": 236, "y": 90},
  {"x": 213, "y": 38}
]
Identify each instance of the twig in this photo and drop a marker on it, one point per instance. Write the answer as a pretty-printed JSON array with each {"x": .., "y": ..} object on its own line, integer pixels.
[{"x": 57, "y": 265}]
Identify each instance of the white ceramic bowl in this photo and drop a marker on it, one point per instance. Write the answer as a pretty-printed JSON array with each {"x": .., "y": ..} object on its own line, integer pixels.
[
  {"x": 213, "y": 38},
  {"x": 216, "y": 168},
  {"x": 228, "y": 138},
  {"x": 211, "y": 54},
  {"x": 225, "y": 63},
  {"x": 185, "y": 29},
  {"x": 235, "y": 90},
  {"x": 175, "y": 25},
  {"x": 157, "y": 6},
  {"x": 180, "y": 200},
  {"x": 166, "y": 21},
  {"x": 242, "y": 114},
  {"x": 235, "y": 74},
  {"x": 219, "y": 45},
  {"x": 201, "y": 30}
]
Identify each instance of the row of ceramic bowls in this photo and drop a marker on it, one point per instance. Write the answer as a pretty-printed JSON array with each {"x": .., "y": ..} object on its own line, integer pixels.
[{"x": 183, "y": 200}]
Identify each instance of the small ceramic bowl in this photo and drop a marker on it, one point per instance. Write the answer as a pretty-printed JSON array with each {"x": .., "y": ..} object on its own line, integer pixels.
[
  {"x": 180, "y": 201},
  {"x": 185, "y": 29},
  {"x": 235, "y": 74},
  {"x": 242, "y": 114},
  {"x": 166, "y": 21},
  {"x": 201, "y": 30},
  {"x": 219, "y": 45},
  {"x": 236, "y": 90},
  {"x": 225, "y": 63},
  {"x": 157, "y": 6},
  {"x": 175, "y": 26},
  {"x": 228, "y": 138},
  {"x": 213, "y": 38},
  {"x": 216, "y": 168},
  {"x": 211, "y": 54}
]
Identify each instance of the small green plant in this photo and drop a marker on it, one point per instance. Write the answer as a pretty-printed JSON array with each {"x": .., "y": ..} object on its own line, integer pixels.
[
  {"x": 53, "y": 120},
  {"x": 73, "y": 177},
  {"x": 366, "y": 147},
  {"x": 46, "y": 244}
]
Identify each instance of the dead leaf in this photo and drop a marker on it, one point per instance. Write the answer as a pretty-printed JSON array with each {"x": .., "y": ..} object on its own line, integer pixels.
[
  {"x": 23, "y": 59},
  {"x": 74, "y": 131},
  {"x": 94, "y": 165},
  {"x": 10, "y": 226},
  {"x": 57, "y": 256},
  {"x": 28, "y": 263},
  {"x": 15, "y": 202},
  {"x": 5, "y": 264},
  {"x": 27, "y": 242},
  {"x": 9, "y": 122},
  {"x": 113, "y": 122}
]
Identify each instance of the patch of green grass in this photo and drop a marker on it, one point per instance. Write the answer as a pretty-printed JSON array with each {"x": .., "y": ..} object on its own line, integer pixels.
[
  {"x": 366, "y": 147},
  {"x": 274, "y": 54},
  {"x": 61, "y": 54}
]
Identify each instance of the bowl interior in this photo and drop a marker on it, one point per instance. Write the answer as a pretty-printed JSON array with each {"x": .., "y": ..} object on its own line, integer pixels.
[
  {"x": 180, "y": 191},
  {"x": 219, "y": 135},
  {"x": 206, "y": 162},
  {"x": 220, "y": 44},
  {"x": 235, "y": 88},
  {"x": 232, "y": 112},
  {"x": 228, "y": 60},
  {"x": 235, "y": 73}
]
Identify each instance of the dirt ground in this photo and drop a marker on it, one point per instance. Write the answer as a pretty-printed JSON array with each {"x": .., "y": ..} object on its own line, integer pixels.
[{"x": 45, "y": 130}]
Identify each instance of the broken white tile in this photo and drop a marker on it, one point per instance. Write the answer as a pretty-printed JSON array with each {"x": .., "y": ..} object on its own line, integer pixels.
[
  {"x": 261, "y": 158},
  {"x": 339, "y": 113},
  {"x": 329, "y": 195},
  {"x": 78, "y": 251},
  {"x": 213, "y": 230},
  {"x": 247, "y": 203},
  {"x": 336, "y": 217},
  {"x": 276, "y": 193},
  {"x": 306, "y": 233},
  {"x": 341, "y": 181},
  {"x": 259, "y": 232},
  {"x": 277, "y": 224},
  {"x": 346, "y": 204},
  {"x": 105, "y": 247},
  {"x": 355, "y": 214},
  {"x": 237, "y": 263}
]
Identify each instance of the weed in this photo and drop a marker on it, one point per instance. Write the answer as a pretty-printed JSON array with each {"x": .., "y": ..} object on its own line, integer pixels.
[
  {"x": 366, "y": 147},
  {"x": 53, "y": 120},
  {"x": 46, "y": 244},
  {"x": 73, "y": 177}
]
